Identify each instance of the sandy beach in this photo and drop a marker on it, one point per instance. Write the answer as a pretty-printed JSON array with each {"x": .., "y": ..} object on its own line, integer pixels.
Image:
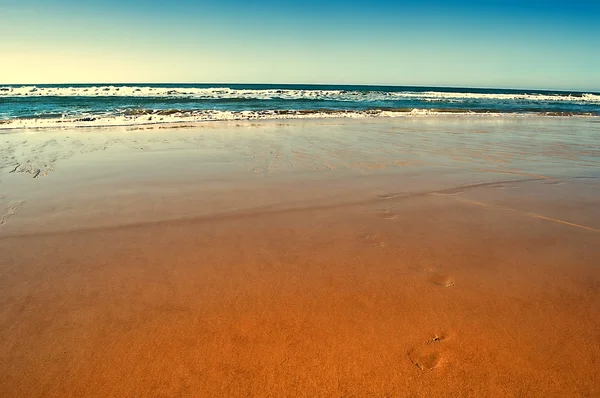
[{"x": 435, "y": 256}]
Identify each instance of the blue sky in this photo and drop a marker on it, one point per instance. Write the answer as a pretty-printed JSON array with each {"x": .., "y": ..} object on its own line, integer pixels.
[{"x": 525, "y": 44}]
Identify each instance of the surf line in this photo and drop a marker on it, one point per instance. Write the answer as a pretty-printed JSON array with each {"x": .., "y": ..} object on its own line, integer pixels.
[{"x": 525, "y": 213}]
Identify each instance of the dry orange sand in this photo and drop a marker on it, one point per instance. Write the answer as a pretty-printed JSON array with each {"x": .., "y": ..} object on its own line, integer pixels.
[{"x": 488, "y": 289}]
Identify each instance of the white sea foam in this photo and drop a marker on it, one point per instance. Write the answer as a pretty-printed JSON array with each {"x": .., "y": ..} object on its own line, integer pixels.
[
  {"x": 174, "y": 116},
  {"x": 154, "y": 117},
  {"x": 286, "y": 94}
]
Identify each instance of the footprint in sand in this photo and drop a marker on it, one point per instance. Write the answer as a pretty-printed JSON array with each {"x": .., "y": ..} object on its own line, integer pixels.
[
  {"x": 10, "y": 211},
  {"x": 440, "y": 280},
  {"x": 386, "y": 214},
  {"x": 435, "y": 276},
  {"x": 428, "y": 355},
  {"x": 372, "y": 239}
]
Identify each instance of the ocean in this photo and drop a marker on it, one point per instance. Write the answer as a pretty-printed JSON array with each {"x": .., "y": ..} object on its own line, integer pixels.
[{"x": 28, "y": 106}]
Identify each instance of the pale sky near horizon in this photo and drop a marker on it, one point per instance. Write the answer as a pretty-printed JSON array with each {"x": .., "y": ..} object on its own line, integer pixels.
[{"x": 526, "y": 44}]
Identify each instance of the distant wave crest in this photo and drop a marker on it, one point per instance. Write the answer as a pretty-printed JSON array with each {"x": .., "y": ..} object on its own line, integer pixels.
[{"x": 285, "y": 94}]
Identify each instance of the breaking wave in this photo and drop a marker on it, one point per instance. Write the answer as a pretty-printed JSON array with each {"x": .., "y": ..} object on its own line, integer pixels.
[
  {"x": 287, "y": 94},
  {"x": 134, "y": 117}
]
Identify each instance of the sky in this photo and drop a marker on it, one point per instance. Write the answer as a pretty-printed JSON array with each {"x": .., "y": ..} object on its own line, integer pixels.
[{"x": 508, "y": 44}]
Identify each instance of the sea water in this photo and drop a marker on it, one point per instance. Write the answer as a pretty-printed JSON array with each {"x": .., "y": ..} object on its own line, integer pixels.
[{"x": 25, "y": 106}]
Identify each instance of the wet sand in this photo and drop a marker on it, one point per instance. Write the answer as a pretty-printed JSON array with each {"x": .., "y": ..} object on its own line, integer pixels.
[{"x": 427, "y": 257}]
